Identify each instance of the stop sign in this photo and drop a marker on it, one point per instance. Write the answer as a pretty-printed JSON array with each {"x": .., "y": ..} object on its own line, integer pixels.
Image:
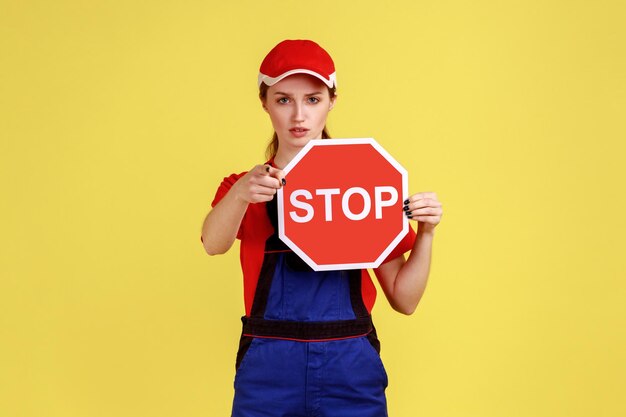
[{"x": 342, "y": 205}]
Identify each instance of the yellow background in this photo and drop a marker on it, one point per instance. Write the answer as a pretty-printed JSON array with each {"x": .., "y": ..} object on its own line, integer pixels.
[{"x": 118, "y": 120}]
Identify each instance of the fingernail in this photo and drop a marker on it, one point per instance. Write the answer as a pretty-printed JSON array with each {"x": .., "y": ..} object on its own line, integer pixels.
[
  {"x": 284, "y": 181},
  {"x": 406, "y": 201},
  {"x": 406, "y": 208}
]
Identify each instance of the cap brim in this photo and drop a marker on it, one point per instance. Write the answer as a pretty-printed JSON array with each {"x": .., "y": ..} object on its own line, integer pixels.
[{"x": 330, "y": 82}]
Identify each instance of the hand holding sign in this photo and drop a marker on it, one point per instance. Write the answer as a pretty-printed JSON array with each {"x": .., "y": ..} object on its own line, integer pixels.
[
  {"x": 425, "y": 208},
  {"x": 349, "y": 215}
]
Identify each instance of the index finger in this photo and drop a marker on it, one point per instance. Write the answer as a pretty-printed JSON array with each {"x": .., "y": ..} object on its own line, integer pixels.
[
  {"x": 274, "y": 172},
  {"x": 421, "y": 196},
  {"x": 270, "y": 171}
]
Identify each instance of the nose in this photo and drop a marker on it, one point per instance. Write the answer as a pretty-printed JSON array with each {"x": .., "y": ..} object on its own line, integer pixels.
[{"x": 298, "y": 113}]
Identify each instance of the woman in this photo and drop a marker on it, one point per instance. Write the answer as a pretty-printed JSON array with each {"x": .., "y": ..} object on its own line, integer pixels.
[{"x": 308, "y": 345}]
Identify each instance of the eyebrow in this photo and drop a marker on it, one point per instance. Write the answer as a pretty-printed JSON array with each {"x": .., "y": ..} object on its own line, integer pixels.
[{"x": 287, "y": 94}]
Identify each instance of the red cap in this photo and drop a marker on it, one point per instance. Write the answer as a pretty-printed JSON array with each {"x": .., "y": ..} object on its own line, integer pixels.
[{"x": 297, "y": 57}]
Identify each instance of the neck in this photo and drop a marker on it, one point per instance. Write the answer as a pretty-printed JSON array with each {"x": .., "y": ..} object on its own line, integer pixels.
[{"x": 284, "y": 156}]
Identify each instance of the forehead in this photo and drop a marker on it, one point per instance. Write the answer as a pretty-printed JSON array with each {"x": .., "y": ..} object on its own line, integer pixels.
[{"x": 298, "y": 83}]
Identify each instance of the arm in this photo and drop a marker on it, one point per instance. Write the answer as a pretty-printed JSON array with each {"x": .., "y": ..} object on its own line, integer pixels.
[
  {"x": 404, "y": 282},
  {"x": 222, "y": 223}
]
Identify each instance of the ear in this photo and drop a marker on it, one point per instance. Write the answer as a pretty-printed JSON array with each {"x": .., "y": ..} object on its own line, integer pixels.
[
  {"x": 264, "y": 106},
  {"x": 332, "y": 102}
]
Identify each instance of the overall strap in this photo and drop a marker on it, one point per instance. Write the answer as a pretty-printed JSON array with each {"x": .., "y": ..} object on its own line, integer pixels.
[{"x": 257, "y": 326}]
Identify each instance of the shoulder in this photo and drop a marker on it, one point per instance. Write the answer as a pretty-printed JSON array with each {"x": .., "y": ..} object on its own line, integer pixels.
[
  {"x": 232, "y": 178},
  {"x": 226, "y": 185}
]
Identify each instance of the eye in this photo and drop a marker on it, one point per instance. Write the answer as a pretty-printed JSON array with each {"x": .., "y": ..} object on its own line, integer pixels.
[
  {"x": 283, "y": 100},
  {"x": 313, "y": 100}
]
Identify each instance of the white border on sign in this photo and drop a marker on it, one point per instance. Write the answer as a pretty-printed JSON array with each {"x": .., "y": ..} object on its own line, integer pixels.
[{"x": 281, "y": 206}]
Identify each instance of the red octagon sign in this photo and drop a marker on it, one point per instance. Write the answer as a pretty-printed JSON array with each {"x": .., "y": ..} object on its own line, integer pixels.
[{"x": 342, "y": 205}]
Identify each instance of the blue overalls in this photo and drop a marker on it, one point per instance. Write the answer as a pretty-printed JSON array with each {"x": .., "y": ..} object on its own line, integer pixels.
[{"x": 308, "y": 347}]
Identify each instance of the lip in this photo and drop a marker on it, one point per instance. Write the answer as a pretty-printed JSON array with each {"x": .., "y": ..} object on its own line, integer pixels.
[{"x": 298, "y": 132}]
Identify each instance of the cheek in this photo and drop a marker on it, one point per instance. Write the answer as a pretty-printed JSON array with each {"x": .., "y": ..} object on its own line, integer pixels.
[
  {"x": 322, "y": 116},
  {"x": 275, "y": 117}
]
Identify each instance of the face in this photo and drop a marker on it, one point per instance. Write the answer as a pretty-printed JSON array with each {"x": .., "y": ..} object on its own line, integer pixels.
[{"x": 298, "y": 106}]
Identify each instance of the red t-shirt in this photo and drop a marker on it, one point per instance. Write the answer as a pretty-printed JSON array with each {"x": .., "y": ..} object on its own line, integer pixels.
[{"x": 254, "y": 230}]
